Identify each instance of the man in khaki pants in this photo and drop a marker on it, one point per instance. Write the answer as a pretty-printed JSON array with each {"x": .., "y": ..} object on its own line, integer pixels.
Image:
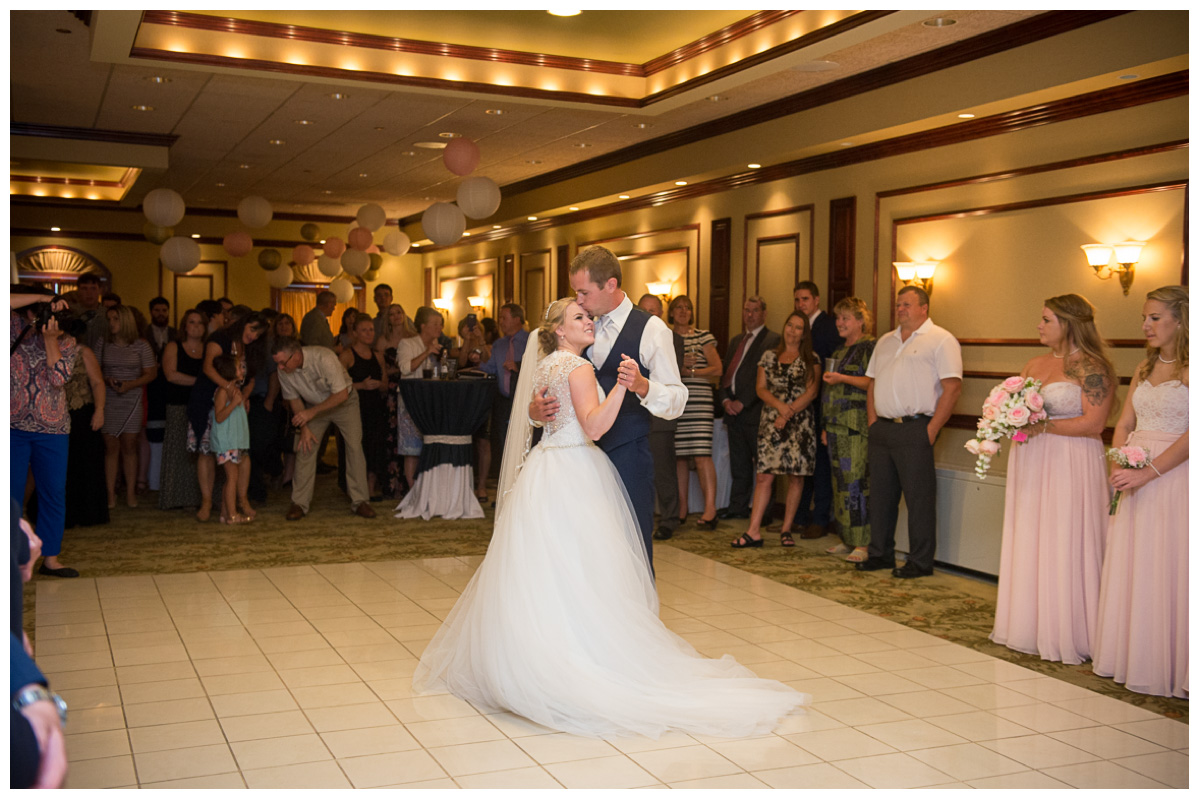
[{"x": 318, "y": 391}]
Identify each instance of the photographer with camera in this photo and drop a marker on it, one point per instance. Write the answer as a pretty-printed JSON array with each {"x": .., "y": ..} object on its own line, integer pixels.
[{"x": 40, "y": 364}]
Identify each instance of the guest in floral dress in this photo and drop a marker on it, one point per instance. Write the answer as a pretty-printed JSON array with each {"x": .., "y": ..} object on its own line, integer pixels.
[
  {"x": 788, "y": 377},
  {"x": 844, "y": 410}
]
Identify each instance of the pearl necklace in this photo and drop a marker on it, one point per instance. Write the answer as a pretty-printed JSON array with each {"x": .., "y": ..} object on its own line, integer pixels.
[
  {"x": 1056, "y": 355},
  {"x": 1172, "y": 361}
]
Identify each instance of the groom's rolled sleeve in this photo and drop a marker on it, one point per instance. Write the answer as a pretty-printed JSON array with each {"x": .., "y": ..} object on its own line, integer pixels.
[{"x": 667, "y": 395}]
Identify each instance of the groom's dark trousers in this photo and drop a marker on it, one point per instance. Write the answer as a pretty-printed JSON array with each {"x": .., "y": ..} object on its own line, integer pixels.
[{"x": 627, "y": 442}]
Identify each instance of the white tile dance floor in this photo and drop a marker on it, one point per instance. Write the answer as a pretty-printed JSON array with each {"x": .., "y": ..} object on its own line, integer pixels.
[{"x": 299, "y": 677}]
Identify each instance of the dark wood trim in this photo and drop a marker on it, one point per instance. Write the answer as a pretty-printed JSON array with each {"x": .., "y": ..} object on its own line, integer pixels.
[
  {"x": 843, "y": 233},
  {"x": 44, "y": 179},
  {"x": 719, "y": 272},
  {"x": 1021, "y": 33},
  {"x": 694, "y": 227},
  {"x": 428, "y": 287},
  {"x": 91, "y": 134},
  {"x": 794, "y": 238},
  {"x": 507, "y": 280},
  {"x": 718, "y": 38},
  {"x": 561, "y": 269},
  {"x": 118, "y": 236},
  {"x": 111, "y": 206},
  {"x": 809, "y": 208}
]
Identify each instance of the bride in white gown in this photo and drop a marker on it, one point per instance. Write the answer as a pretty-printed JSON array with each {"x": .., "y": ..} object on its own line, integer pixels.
[{"x": 560, "y": 622}]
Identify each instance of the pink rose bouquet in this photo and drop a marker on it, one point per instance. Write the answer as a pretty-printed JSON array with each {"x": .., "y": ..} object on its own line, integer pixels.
[
  {"x": 1011, "y": 407},
  {"x": 1128, "y": 457}
]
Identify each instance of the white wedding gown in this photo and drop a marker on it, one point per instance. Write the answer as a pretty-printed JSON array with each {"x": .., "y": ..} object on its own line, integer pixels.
[{"x": 560, "y": 622}]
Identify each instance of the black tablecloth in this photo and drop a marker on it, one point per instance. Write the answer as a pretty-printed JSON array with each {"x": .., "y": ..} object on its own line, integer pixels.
[{"x": 447, "y": 408}]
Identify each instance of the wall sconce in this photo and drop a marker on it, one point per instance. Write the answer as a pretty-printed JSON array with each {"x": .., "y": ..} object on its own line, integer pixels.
[
  {"x": 441, "y": 305},
  {"x": 916, "y": 273},
  {"x": 1128, "y": 253},
  {"x": 477, "y": 303},
  {"x": 660, "y": 288}
]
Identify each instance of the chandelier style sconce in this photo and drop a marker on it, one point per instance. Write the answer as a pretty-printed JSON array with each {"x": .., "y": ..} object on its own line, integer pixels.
[
  {"x": 916, "y": 273},
  {"x": 441, "y": 304},
  {"x": 478, "y": 304},
  {"x": 1127, "y": 255},
  {"x": 662, "y": 289}
]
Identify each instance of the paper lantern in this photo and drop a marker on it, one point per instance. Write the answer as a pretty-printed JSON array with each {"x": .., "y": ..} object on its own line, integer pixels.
[
  {"x": 372, "y": 217},
  {"x": 370, "y": 275},
  {"x": 310, "y": 232},
  {"x": 461, "y": 156},
  {"x": 355, "y": 262},
  {"x": 479, "y": 197},
  {"x": 376, "y": 262},
  {"x": 303, "y": 255},
  {"x": 330, "y": 267},
  {"x": 180, "y": 254},
  {"x": 164, "y": 207},
  {"x": 254, "y": 211},
  {"x": 280, "y": 278},
  {"x": 444, "y": 223},
  {"x": 156, "y": 234},
  {"x": 238, "y": 243},
  {"x": 360, "y": 239},
  {"x": 334, "y": 247},
  {"x": 373, "y": 248},
  {"x": 396, "y": 243},
  {"x": 342, "y": 289},
  {"x": 269, "y": 259}
]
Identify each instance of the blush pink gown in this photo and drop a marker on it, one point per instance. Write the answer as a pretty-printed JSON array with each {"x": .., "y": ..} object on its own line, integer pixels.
[
  {"x": 1142, "y": 634},
  {"x": 1055, "y": 512}
]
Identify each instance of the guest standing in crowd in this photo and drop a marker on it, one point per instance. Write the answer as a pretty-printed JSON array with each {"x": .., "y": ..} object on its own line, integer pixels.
[
  {"x": 1052, "y": 548},
  {"x": 403, "y": 438},
  {"x": 383, "y": 302},
  {"x": 699, "y": 369},
  {"x": 504, "y": 362},
  {"x": 283, "y": 327},
  {"x": 158, "y": 333},
  {"x": 741, "y": 403},
  {"x": 916, "y": 377},
  {"x": 40, "y": 364},
  {"x": 318, "y": 392},
  {"x": 128, "y": 364},
  {"x": 182, "y": 361},
  {"x": 229, "y": 434},
  {"x": 844, "y": 414},
  {"x": 816, "y": 501},
  {"x": 1142, "y": 631},
  {"x": 788, "y": 377},
  {"x": 472, "y": 352},
  {"x": 86, "y": 497},
  {"x": 365, "y": 367},
  {"x": 242, "y": 339},
  {"x": 411, "y": 355},
  {"x": 91, "y": 310},
  {"x": 345, "y": 335},
  {"x": 314, "y": 327},
  {"x": 662, "y": 445}
]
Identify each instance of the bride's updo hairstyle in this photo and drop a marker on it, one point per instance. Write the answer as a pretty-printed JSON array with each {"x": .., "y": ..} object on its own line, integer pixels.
[{"x": 547, "y": 337}]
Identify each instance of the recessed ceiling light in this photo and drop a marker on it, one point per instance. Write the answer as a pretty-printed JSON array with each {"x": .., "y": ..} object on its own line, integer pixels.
[
  {"x": 623, "y": 196},
  {"x": 495, "y": 227},
  {"x": 195, "y": 236},
  {"x": 450, "y": 135},
  {"x": 1128, "y": 77},
  {"x": 534, "y": 161},
  {"x": 642, "y": 125},
  {"x": 362, "y": 174},
  {"x": 219, "y": 183},
  {"x": 681, "y": 183},
  {"x": 466, "y": 233},
  {"x": 243, "y": 166},
  {"x": 303, "y": 121},
  {"x": 564, "y": 12},
  {"x": 582, "y": 144},
  {"x": 966, "y": 116},
  {"x": 416, "y": 244},
  {"x": 494, "y": 111},
  {"x": 847, "y": 144},
  {"x": 531, "y": 219},
  {"x": 326, "y": 191},
  {"x": 939, "y": 22},
  {"x": 574, "y": 208},
  {"x": 430, "y": 145},
  {"x": 715, "y": 98},
  {"x": 409, "y": 153},
  {"x": 143, "y": 108},
  {"x": 158, "y": 79},
  {"x": 754, "y": 166},
  {"x": 339, "y": 95},
  {"x": 56, "y": 229},
  {"x": 276, "y": 142}
]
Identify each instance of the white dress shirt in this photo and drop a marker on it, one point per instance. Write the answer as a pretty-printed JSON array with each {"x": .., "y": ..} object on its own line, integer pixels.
[
  {"x": 908, "y": 374},
  {"x": 667, "y": 395}
]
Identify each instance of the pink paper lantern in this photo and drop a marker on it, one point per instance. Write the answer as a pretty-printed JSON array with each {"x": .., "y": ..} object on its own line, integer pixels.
[
  {"x": 373, "y": 248},
  {"x": 303, "y": 255},
  {"x": 334, "y": 247},
  {"x": 360, "y": 238},
  {"x": 238, "y": 243},
  {"x": 461, "y": 156}
]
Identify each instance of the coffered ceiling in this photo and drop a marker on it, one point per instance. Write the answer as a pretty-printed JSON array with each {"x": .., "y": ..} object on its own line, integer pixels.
[{"x": 322, "y": 111}]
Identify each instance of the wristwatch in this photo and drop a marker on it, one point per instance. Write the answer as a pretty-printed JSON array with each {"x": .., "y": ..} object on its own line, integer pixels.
[{"x": 34, "y": 694}]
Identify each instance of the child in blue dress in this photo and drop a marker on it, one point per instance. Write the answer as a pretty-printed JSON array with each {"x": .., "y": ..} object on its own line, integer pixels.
[{"x": 230, "y": 439}]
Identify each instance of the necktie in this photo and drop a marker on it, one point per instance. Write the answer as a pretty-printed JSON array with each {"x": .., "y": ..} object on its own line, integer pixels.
[{"x": 736, "y": 362}]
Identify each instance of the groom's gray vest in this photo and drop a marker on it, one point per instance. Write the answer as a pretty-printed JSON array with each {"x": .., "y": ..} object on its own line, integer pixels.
[{"x": 633, "y": 420}]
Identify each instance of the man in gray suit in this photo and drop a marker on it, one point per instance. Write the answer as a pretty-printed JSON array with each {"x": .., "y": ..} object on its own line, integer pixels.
[
  {"x": 662, "y": 445},
  {"x": 739, "y": 399}
]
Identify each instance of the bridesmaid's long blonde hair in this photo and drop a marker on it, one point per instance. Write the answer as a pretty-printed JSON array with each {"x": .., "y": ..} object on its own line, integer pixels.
[{"x": 1175, "y": 298}]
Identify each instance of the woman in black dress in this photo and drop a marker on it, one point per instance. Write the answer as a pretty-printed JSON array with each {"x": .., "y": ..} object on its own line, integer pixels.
[
  {"x": 87, "y": 497},
  {"x": 182, "y": 361},
  {"x": 366, "y": 370}
]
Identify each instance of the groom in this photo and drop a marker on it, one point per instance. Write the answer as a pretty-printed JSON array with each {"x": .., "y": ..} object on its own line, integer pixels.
[{"x": 654, "y": 389}]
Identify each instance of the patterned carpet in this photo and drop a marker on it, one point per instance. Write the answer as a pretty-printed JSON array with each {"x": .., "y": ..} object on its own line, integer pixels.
[{"x": 144, "y": 540}]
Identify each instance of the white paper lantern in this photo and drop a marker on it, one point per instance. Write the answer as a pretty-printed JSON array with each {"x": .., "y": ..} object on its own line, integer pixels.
[
  {"x": 164, "y": 207},
  {"x": 330, "y": 267},
  {"x": 372, "y": 217},
  {"x": 397, "y": 243},
  {"x": 478, "y": 197},
  {"x": 280, "y": 278},
  {"x": 355, "y": 262},
  {"x": 180, "y": 254},
  {"x": 342, "y": 289},
  {"x": 444, "y": 223},
  {"x": 254, "y": 211}
]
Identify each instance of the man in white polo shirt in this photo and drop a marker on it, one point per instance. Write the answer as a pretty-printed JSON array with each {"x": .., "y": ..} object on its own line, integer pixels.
[{"x": 916, "y": 377}]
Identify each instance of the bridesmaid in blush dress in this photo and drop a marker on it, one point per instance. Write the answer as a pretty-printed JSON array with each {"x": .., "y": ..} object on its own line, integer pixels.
[
  {"x": 1142, "y": 634},
  {"x": 1052, "y": 549}
]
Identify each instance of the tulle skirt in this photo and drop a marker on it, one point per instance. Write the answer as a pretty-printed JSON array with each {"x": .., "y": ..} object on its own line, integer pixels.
[
  {"x": 1142, "y": 632},
  {"x": 1052, "y": 551},
  {"x": 560, "y": 622}
]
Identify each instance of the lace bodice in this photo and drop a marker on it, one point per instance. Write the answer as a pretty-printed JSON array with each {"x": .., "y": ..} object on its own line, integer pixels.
[
  {"x": 1064, "y": 400},
  {"x": 1162, "y": 408},
  {"x": 553, "y": 371}
]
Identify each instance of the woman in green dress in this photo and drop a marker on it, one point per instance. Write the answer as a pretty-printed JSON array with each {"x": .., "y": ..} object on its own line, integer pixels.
[{"x": 844, "y": 410}]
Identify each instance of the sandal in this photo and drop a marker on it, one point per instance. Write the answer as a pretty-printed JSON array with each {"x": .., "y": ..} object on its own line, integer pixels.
[
  {"x": 745, "y": 541},
  {"x": 786, "y": 540},
  {"x": 839, "y": 549},
  {"x": 858, "y": 556}
]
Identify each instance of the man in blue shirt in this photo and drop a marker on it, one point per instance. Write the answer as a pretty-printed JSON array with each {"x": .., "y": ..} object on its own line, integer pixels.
[{"x": 505, "y": 364}]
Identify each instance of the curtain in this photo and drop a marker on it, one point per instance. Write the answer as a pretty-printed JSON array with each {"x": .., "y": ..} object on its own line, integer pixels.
[{"x": 299, "y": 302}]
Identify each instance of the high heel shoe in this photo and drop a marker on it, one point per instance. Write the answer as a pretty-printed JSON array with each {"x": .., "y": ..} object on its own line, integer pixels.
[
  {"x": 711, "y": 524},
  {"x": 745, "y": 541}
]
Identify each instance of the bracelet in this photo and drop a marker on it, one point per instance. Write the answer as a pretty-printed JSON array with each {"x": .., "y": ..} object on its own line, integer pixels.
[{"x": 1150, "y": 464}]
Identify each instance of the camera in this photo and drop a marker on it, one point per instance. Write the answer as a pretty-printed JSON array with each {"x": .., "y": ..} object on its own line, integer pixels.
[{"x": 42, "y": 315}]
